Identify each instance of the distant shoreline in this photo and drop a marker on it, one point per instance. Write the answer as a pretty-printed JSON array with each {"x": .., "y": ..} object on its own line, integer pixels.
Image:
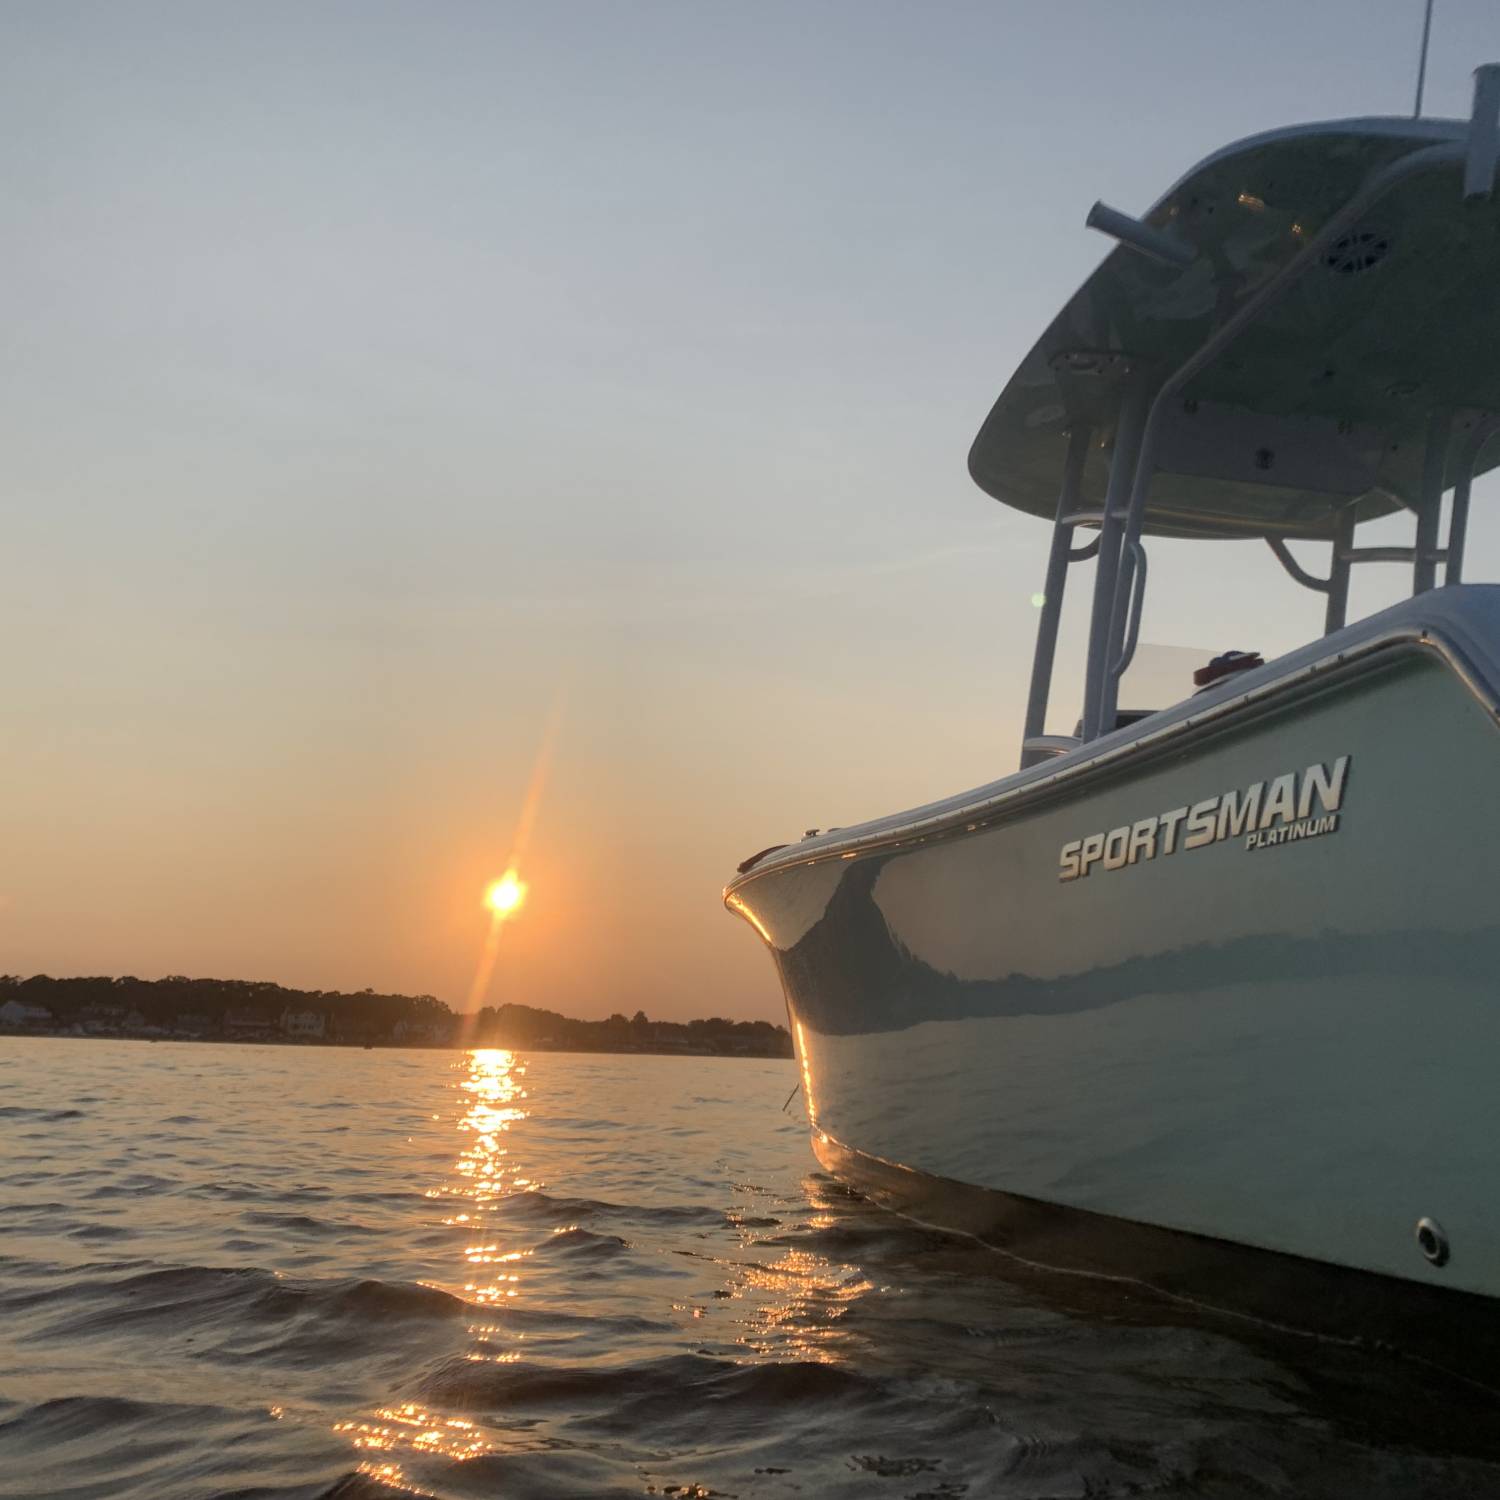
[{"x": 184, "y": 1009}]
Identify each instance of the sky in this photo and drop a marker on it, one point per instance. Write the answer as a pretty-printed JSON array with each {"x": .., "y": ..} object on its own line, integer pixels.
[{"x": 384, "y": 382}]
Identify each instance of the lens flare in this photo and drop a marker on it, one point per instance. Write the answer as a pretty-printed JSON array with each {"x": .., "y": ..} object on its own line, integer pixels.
[{"x": 504, "y": 897}]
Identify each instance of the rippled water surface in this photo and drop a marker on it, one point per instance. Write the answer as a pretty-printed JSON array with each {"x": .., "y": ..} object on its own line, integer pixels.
[{"x": 280, "y": 1272}]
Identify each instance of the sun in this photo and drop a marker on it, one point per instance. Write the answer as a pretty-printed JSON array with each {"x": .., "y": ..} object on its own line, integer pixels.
[{"x": 504, "y": 896}]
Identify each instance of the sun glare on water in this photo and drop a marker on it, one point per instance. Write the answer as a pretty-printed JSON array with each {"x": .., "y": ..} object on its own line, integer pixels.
[{"x": 504, "y": 896}]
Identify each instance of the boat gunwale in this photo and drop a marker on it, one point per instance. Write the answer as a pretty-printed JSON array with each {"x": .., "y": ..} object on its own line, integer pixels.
[{"x": 1025, "y": 787}]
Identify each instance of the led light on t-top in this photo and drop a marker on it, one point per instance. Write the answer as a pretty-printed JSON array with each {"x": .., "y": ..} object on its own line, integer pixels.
[{"x": 1205, "y": 995}]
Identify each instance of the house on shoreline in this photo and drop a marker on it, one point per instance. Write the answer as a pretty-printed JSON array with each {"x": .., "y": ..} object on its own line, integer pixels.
[
  {"x": 246, "y": 1024},
  {"x": 17, "y": 1013},
  {"x": 304, "y": 1025}
]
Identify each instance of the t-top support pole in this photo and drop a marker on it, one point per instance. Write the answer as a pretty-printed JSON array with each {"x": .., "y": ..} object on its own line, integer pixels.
[
  {"x": 1079, "y": 438},
  {"x": 1430, "y": 506},
  {"x": 1484, "y": 133},
  {"x": 1458, "y": 522},
  {"x": 1337, "y": 612},
  {"x": 1129, "y": 427}
]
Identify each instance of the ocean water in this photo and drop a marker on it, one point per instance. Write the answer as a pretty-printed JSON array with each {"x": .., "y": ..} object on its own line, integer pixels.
[{"x": 276, "y": 1272}]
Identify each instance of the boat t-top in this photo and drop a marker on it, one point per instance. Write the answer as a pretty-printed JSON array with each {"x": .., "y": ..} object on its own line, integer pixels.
[{"x": 1209, "y": 995}]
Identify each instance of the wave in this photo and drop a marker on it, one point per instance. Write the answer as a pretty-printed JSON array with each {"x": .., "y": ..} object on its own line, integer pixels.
[
  {"x": 57, "y": 1443},
  {"x": 230, "y": 1303},
  {"x": 306, "y": 1224},
  {"x": 539, "y": 1206},
  {"x": 61, "y": 1443},
  {"x": 581, "y": 1245},
  {"x": 631, "y": 1387},
  {"x": 264, "y": 1309}
]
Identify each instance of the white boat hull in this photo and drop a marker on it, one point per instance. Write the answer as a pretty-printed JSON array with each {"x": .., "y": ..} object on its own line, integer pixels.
[{"x": 1275, "y": 1040}]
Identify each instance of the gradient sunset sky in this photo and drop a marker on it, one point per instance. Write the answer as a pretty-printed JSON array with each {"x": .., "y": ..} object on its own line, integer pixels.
[{"x": 381, "y": 380}]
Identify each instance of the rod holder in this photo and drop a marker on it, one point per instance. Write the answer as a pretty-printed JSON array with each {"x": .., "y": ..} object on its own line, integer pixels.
[
  {"x": 1156, "y": 243},
  {"x": 1484, "y": 133}
]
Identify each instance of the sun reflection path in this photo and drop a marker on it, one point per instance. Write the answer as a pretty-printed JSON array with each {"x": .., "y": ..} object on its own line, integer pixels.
[
  {"x": 790, "y": 1302},
  {"x": 492, "y": 1102},
  {"x": 412, "y": 1427},
  {"x": 800, "y": 1301},
  {"x": 486, "y": 1171}
]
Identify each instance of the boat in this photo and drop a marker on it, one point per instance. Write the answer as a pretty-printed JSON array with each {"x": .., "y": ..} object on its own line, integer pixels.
[{"x": 1207, "y": 997}]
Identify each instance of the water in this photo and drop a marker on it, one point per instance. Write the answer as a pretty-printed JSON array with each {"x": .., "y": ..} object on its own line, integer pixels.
[{"x": 291, "y": 1273}]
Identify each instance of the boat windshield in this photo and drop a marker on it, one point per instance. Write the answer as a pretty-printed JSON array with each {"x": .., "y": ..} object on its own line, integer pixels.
[{"x": 1160, "y": 675}]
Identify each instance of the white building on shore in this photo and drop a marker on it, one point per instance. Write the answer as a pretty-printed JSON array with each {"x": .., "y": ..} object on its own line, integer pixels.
[
  {"x": 312, "y": 1024},
  {"x": 16, "y": 1013}
]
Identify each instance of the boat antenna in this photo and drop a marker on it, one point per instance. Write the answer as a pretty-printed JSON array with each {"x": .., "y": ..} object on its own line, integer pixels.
[{"x": 1416, "y": 114}]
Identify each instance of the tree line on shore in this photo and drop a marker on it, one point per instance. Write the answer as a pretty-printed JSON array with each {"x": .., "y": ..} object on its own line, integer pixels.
[
  {"x": 527, "y": 1026},
  {"x": 260, "y": 1010}
]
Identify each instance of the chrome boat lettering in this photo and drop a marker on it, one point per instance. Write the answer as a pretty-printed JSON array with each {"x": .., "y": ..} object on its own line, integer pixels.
[{"x": 1265, "y": 815}]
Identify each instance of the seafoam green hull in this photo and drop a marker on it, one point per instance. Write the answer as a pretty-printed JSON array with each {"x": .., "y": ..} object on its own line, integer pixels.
[{"x": 1290, "y": 1043}]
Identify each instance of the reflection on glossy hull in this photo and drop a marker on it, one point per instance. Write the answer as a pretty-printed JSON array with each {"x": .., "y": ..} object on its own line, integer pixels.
[
  {"x": 1456, "y": 1331},
  {"x": 1287, "y": 1045}
]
